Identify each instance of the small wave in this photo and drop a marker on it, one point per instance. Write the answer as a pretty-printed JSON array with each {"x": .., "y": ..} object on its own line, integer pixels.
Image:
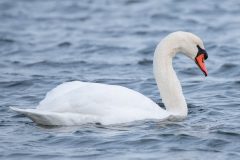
[
  {"x": 228, "y": 133},
  {"x": 133, "y": 1},
  {"x": 228, "y": 66},
  {"x": 64, "y": 44},
  {"x": 217, "y": 143},
  {"x": 164, "y": 16},
  {"x": 231, "y": 69},
  {"x": 189, "y": 71},
  {"x": 45, "y": 63},
  {"x": 237, "y": 82},
  {"x": 145, "y": 62},
  {"x": 6, "y": 40},
  {"x": 9, "y": 84}
]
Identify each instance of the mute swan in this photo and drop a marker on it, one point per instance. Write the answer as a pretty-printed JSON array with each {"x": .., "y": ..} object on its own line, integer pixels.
[{"x": 74, "y": 103}]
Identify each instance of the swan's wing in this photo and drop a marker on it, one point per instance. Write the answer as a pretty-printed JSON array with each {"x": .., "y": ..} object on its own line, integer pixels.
[
  {"x": 94, "y": 98},
  {"x": 51, "y": 118},
  {"x": 61, "y": 90}
]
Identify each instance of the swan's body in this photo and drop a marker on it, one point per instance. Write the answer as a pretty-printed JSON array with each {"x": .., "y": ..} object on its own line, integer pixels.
[
  {"x": 76, "y": 102},
  {"x": 81, "y": 102}
]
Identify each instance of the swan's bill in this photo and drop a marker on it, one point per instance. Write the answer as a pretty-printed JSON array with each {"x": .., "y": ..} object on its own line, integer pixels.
[{"x": 200, "y": 62}]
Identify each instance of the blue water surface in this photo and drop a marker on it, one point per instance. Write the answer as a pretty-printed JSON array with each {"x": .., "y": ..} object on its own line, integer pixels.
[{"x": 46, "y": 43}]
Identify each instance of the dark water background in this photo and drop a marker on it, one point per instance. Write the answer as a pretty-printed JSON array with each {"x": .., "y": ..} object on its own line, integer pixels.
[{"x": 45, "y": 43}]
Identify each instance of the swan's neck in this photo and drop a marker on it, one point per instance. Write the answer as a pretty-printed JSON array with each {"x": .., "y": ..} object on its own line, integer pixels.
[{"x": 166, "y": 78}]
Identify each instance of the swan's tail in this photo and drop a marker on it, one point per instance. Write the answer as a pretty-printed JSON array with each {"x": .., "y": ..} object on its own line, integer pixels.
[
  {"x": 52, "y": 118},
  {"x": 40, "y": 117}
]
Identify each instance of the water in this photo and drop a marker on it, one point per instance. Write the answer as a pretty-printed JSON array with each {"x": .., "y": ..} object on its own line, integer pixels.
[{"x": 45, "y": 43}]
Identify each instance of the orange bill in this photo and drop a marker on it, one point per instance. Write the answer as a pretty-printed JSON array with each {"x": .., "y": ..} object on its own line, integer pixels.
[{"x": 200, "y": 62}]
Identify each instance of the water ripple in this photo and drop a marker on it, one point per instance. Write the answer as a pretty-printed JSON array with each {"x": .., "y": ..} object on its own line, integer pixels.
[{"x": 43, "y": 44}]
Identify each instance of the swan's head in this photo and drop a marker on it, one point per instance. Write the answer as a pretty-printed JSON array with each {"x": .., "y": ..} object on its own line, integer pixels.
[{"x": 192, "y": 46}]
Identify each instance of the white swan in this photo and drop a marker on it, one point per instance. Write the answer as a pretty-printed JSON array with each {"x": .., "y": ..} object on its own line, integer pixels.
[{"x": 74, "y": 103}]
